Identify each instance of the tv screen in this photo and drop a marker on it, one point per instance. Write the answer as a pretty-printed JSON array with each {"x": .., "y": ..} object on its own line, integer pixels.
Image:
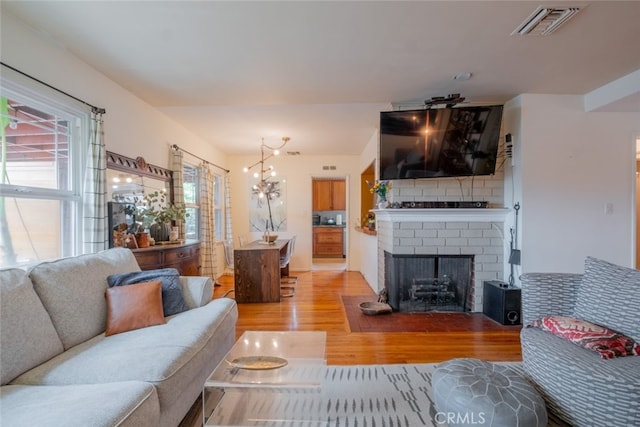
[{"x": 437, "y": 143}]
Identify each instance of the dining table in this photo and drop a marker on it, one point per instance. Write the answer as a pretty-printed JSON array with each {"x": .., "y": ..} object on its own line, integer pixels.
[{"x": 257, "y": 271}]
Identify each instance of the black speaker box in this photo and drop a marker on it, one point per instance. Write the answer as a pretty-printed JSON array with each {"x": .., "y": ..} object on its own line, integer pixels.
[{"x": 502, "y": 303}]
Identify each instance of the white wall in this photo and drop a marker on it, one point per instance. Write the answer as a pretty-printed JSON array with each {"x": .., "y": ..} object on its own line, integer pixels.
[
  {"x": 132, "y": 127},
  {"x": 511, "y": 124},
  {"x": 572, "y": 164},
  {"x": 298, "y": 171},
  {"x": 364, "y": 247}
]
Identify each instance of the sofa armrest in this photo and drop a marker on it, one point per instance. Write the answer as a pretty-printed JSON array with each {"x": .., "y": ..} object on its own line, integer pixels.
[
  {"x": 196, "y": 290},
  {"x": 546, "y": 294}
]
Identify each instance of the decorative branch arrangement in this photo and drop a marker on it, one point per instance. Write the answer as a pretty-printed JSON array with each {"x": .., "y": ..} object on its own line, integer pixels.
[{"x": 267, "y": 189}]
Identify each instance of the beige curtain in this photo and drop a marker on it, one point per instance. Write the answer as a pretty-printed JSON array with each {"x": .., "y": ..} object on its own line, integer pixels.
[
  {"x": 208, "y": 253},
  {"x": 94, "y": 219},
  {"x": 227, "y": 219}
]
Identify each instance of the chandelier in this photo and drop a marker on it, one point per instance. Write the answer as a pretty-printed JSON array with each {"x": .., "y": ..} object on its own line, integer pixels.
[{"x": 264, "y": 187}]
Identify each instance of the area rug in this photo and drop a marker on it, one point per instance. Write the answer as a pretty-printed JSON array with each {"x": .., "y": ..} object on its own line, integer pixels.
[
  {"x": 415, "y": 322},
  {"x": 351, "y": 396}
]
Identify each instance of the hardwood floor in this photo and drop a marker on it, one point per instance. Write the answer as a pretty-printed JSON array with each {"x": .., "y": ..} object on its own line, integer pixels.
[{"x": 317, "y": 305}]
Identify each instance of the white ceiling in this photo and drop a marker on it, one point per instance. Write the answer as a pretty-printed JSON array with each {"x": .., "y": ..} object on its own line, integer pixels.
[{"x": 320, "y": 71}]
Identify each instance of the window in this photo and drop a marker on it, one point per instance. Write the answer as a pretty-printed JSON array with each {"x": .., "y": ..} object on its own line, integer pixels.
[
  {"x": 191, "y": 200},
  {"x": 40, "y": 174},
  {"x": 191, "y": 179}
]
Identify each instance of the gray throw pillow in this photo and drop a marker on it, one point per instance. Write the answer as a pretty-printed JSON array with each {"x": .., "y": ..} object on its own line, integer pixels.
[{"x": 172, "y": 299}]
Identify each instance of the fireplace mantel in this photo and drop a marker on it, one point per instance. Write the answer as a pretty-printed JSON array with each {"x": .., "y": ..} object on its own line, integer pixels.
[{"x": 442, "y": 215}]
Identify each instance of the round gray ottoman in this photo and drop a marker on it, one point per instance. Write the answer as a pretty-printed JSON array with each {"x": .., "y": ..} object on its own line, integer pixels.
[{"x": 472, "y": 392}]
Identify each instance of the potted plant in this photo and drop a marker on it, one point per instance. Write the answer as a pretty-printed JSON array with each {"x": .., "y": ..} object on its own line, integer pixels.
[{"x": 159, "y": 215}]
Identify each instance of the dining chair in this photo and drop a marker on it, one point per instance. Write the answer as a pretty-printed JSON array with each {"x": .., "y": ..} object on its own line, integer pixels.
[
  {"x": 287, "y": 283},
  {"x": 228, "y": 252}
]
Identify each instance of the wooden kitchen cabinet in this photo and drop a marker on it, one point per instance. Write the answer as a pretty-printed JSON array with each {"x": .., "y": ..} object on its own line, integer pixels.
[
  {"x": 338, "y": 195},
  {"x": 327, "y": 241},
  {"x": 321, "y": 195},
  {"x": 329, "y": 195},
  {"x": 185, "y": 258}
]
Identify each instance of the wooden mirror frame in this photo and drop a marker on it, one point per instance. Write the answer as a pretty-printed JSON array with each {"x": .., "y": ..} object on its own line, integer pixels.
[{"x": 139, "y": 166}]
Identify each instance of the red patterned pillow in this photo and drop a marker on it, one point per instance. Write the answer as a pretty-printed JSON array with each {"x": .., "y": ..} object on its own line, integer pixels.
[{"x": 594, "y": 337}]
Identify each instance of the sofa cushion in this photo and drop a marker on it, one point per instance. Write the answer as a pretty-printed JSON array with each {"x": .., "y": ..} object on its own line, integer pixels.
[
  {"x": 133, "y": 307},
  {"x": 578, "y": 385},
  {"x": 72, "y": 291},
  {"x": 172, "y": 356},
  {"x": 27, "y": 336},
  {"x": 610, "y": 296},
  {"x": 172, "y": 299},
  {"x": 149, "y": 354},
  {"x": 606, "y": 342},
  {"x": 131, "y": 403}
]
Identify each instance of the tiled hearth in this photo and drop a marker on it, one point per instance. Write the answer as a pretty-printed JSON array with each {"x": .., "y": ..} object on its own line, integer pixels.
[{"x": 476, "y": 232}]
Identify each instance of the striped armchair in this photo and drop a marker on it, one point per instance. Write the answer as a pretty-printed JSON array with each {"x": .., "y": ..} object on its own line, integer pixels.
[{"x": 578, "y": 386}]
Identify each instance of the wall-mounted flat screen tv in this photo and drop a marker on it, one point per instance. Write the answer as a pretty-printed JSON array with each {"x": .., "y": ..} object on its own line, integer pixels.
[{"x": 438, "y": 143}]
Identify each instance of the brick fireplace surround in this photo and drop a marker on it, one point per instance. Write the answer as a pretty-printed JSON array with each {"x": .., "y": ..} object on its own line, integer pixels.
[{"x": 478, "y": 232}]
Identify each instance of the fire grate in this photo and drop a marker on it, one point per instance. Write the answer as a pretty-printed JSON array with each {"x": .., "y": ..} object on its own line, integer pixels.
[{"x": 433, "y": 294}]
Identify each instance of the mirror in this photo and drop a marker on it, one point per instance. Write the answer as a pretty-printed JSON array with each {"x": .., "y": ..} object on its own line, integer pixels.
[
  {"x": 126, "y": 187},
  {"x": 128, "y": 180}
]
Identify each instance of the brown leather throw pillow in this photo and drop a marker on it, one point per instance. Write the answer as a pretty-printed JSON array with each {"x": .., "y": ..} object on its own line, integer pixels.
[{"x": 133, "y": 307}]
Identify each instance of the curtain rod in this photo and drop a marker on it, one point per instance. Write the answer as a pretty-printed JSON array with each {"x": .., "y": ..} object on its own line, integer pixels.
[
  {"x": 175, "y": 147},
  {"x": 94, "y": 109}
]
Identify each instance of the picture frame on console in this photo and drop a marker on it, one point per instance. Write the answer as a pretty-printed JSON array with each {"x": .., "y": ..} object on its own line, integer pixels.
[{"x": 119, "y": 216}]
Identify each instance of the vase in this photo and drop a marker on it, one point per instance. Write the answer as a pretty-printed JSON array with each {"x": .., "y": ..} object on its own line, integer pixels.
[
  {"x": 174, "y": 234},
  {"x": 143, "y": 240},
  {"x": 160, "y": 232},
  {"x": 382, "y": 203}
]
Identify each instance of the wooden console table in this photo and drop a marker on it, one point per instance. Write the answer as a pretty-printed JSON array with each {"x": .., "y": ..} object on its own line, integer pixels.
[
  {"x": 257, "y": 271},
  {"x": 183, "y": 257}
]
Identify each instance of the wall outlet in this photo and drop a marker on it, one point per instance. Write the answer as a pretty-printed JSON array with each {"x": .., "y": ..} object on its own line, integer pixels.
[{"x": 608, "y": 208}]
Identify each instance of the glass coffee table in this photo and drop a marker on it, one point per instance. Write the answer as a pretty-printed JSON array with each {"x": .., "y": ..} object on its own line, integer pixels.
[{"x": 268, "y": 377}]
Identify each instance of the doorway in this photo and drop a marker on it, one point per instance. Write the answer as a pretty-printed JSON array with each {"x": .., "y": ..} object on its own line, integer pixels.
[{"x": 329, "y": 223}]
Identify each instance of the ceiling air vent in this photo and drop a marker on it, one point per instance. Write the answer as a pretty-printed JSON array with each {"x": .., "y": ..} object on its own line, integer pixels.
[{"x": 545, "y": 20}]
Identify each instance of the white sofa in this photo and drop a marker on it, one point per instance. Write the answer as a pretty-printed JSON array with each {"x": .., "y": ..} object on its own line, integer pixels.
[{"x": 57, "y": 367}]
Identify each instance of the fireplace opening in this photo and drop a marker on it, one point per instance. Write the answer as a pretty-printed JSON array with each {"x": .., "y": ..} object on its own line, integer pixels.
[{"x": 421, "y": 283}]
